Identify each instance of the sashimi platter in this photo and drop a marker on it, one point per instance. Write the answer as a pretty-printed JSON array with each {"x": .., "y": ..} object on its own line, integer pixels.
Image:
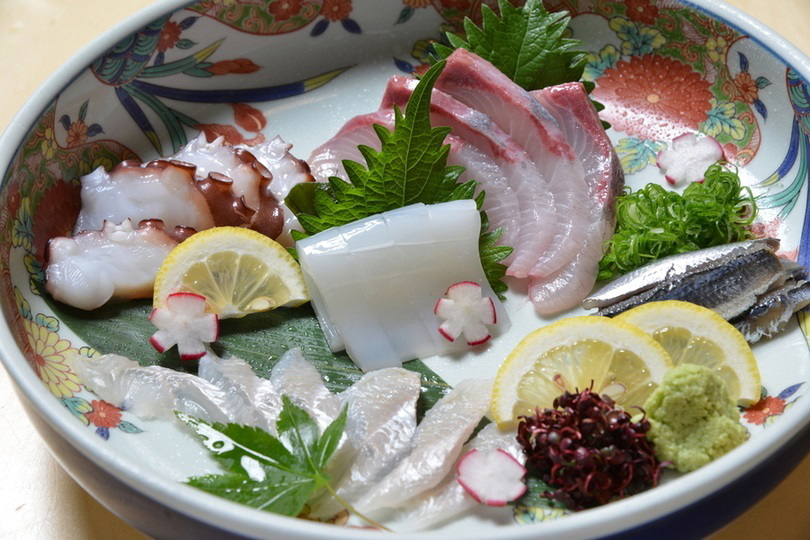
[{"x": 344, "y": 268}]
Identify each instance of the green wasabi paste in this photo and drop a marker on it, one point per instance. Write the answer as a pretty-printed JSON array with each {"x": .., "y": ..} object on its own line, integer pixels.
[{"x": 692, "y": 418}]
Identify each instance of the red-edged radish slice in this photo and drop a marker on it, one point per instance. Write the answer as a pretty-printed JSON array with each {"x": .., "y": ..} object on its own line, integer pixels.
[
  {"x": 688, "y": 157},
  {"x": 184, "y": 322},
  {"x": 493, "y": 478},
  {"x": 465, "y": 310}
]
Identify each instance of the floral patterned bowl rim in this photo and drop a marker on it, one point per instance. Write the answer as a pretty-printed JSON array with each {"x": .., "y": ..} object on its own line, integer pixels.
[{"x": 612, "y": 519}]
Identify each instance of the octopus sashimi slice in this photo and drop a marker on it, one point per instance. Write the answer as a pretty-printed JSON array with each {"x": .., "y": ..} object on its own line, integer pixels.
[
  {"x": 380, "y": 426},
  {"x": 478, "y": 84},
  {"x": 519, "y": 200},
  {"x": 436, "y": 446},
  {"x": 579, "y": 120},
  {"x": 287, "y": 171},
  {"x": 157, "y": 190},
  {"x": 218, "y": 157},
  {"x": 254, "y": 395},
  {"x": 449, "y": 499},
  {"x": 118, "y": 262},
  {"x": 154, "y": 392},
  {"x": 296, "y": 378}
]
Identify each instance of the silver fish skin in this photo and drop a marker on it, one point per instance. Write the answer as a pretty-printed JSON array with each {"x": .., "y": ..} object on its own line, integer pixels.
[
  {"x": 771, "y": 313},
  {"x": 674, "y": 267},
  {"x": 728, "y": 289}
]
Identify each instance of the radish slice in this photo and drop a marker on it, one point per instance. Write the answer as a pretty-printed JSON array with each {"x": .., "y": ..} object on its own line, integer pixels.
[
  {"x": 688, "y": 158},
  {"x": 184, "y": 322},
  {"x": 493, "y": 478},
  {"x": 466, "y": 311}
]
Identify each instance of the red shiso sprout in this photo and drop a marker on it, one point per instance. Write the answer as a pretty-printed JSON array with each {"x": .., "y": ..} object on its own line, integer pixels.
[{"x": 588, "y": 450}]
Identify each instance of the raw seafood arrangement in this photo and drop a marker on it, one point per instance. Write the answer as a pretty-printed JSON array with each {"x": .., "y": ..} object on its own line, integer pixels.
[{"x": 401, "y": 229}]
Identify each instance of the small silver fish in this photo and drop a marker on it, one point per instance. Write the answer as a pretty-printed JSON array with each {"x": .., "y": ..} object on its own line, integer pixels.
[
  {"x": 729, "y": 289},
  {"x": 674, "y": 268},
  {"x": 771, "y": 313}
]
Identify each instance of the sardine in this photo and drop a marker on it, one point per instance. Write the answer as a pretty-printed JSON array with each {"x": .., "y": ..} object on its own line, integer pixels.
[
  {"x": 771, "y": 313},
  {"x": 674, "y": 268},
  {"x": 728, "y": 289}
]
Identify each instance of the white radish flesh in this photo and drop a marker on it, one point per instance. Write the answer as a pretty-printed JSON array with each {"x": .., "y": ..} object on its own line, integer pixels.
[
  {"x": 466, "y": 311},
  {"x": 688, "y": 158},
  {"x": 493, "y": 478},
  {"x": 184, "y": 322}
]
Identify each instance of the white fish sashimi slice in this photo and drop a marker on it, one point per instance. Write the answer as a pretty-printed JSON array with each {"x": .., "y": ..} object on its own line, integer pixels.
[
  {"x": 154, "y": 392},
  {"x": 449, "y": 499},
  {"x": 570, "y": 105},
  {"x": 478, "y": 84},
  {"x": 380, "y": 424},
  {"x": 436, "y": 446},
  {"x": 293, "y": 376},
  {"x": 254, "y": 394},
  {"x": 327, "y": 159},
  {"x": 519, "y": 201}
]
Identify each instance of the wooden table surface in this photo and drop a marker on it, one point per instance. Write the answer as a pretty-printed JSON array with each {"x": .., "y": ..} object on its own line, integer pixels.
[{"x": 38, "y": 500}]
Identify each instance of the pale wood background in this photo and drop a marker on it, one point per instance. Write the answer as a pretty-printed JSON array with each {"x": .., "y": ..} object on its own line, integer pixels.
[{"x": 38, "y": 500}]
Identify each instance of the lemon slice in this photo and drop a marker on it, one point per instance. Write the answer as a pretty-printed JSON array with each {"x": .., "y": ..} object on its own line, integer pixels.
[
  {"x": 238, "y": 271},
  {"x": 697, "y": 335},
  {"x": 617, "y": 358}
]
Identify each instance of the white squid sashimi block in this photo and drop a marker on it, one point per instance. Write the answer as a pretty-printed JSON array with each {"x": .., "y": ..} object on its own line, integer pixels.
[{"x": 375, "y": 282}]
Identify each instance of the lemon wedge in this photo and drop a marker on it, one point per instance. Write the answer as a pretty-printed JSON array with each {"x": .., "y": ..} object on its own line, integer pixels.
[
  {"x": 237, "y": 270},
  {"x": 697, "y": 335},
  {"x": 572, "y": 354}
]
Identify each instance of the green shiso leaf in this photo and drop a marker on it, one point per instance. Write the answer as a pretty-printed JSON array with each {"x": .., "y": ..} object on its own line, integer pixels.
[
  {"x": 411, "y": 167},
  {"x": 526, "y": 43},
  {"x": 275, "y": 474},
  {"x": 655, "y": 222}
]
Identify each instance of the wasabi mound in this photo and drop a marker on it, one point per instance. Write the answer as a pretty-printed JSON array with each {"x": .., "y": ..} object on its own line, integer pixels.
[{"x": 693, "y": 421}]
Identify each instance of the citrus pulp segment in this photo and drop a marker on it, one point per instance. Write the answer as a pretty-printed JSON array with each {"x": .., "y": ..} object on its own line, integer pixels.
[
  {"x": 237, "y": 270},
  {"x": 609, "y": 356},
  {"x": 697, "y": 335}
]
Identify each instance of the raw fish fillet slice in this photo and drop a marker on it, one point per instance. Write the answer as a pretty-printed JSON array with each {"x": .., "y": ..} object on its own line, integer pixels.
[
  {"x": 519, "y": 200},
  {"x": 327, "y": 159},
  {"x": 116, "y": 263},
  {"x": 296, "y": 378},
  {"x": 379, "y": 429},
  {"x": 570, "y": 106},
  {"x": 449, "y": 499},
  {"x": 156, "y": 392},
  {"x": 478, "y": 84},
  {"x": 236, "y": 379},
  {"x": 156, "y": 190},
  {"x": 502, "y": 212},
  {"x": 436, "y": 446}
]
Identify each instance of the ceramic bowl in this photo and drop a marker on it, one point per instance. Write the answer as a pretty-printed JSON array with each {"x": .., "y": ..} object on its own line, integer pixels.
[{"x": 249, "y": 69}]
